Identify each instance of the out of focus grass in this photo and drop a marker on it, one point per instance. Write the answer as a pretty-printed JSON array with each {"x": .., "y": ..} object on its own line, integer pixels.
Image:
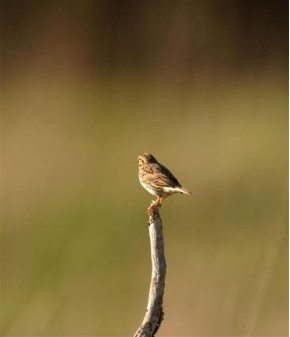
[{"x": 74, "y": 243}]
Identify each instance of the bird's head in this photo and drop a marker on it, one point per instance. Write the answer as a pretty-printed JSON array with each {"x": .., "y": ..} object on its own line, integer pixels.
[{"x": 146, "y": 158}]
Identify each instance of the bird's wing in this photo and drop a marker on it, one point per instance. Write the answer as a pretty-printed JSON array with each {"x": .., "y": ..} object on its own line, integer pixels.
[{"x": 164, "y": 176}]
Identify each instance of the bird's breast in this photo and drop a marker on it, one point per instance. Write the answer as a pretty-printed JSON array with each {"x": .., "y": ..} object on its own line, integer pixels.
[{"x": 147, "y": 187}]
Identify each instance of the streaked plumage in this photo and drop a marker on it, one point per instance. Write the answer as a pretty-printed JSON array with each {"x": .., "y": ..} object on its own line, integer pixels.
[{"x": 157, "y": 179}]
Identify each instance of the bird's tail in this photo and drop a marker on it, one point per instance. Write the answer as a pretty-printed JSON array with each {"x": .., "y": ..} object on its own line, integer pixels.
[{"x": 183, "y": 190}]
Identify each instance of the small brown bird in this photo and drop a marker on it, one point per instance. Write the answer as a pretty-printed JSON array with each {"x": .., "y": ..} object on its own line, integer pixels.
[{"x": 157, "y": 179}]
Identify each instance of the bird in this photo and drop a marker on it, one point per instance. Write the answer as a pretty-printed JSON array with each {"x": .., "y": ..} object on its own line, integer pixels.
[{"x": 157, "y": 180}]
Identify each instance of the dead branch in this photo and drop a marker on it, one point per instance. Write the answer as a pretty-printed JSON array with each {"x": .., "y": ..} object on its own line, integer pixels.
[{"x": 154, "y": 312}]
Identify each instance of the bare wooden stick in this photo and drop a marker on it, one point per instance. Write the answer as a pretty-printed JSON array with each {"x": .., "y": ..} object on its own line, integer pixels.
[{"x": 154, "y": 312}]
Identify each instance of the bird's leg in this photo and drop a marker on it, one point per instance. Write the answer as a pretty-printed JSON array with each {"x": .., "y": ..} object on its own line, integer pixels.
[
  {"x": 151, "y": 207},
  {"x": 159, "y": 201},
  {"x": 154, "y": 203}
]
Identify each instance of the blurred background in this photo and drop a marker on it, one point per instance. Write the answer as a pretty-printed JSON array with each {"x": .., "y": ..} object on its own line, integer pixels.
[{"x": 86, "y": 86}]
